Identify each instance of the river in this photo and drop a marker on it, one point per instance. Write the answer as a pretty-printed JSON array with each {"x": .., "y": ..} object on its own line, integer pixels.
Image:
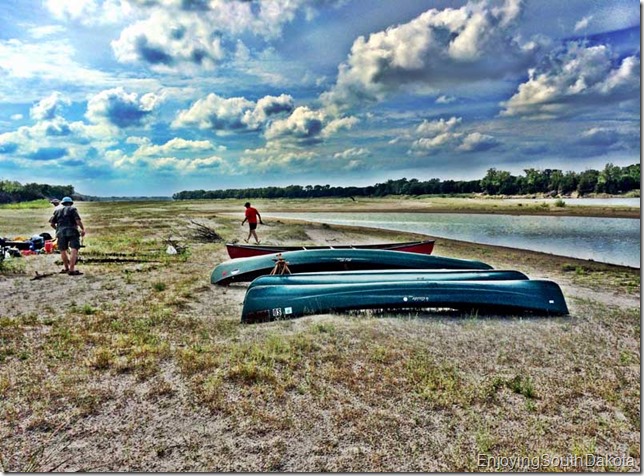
[{"x": 608, "y": 240}]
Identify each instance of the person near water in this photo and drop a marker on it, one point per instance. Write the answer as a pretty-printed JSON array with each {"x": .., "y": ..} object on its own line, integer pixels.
[
  {"x": 251, "y": 216},
  {"x": 67, "y": 222}
]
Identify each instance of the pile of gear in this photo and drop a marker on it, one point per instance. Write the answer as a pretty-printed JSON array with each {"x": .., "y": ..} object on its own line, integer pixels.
[{"x": 20, "y": 246}]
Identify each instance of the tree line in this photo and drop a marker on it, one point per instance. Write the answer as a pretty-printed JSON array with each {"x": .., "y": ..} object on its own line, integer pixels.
[
  {"x": 612, "y": 180},
  {"x": 14, "y": 192}
]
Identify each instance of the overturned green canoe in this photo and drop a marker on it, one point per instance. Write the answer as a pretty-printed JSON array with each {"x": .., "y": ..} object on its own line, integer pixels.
[
  {"x": 387, "y": 275},
  {"x": 247, "y": 269},
  {"x": 269, "y": 303}
]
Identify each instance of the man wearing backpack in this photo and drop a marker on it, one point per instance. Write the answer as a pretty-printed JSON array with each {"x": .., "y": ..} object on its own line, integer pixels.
[{"x": 67, "y": 222}]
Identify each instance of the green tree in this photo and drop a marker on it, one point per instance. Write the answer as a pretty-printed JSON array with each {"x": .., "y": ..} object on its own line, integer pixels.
[
  {"x": 608, "y": 180},
  {"x": 555, "y": 182},
  {"x": 587, "y": 181},
  {"x": 536, "y": 181},
  {"x": 499, "y": 182},
  {"x": 568, "y": 183},
  {"x": 630, "y": 179}
]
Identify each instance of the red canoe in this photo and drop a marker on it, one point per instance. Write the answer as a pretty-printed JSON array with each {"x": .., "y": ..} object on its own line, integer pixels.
[{"x": 245, "y": 251}]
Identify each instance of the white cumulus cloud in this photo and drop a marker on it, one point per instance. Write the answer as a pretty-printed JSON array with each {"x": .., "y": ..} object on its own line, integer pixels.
[
  {"x": 476, "y": 142},
  {"x": 188, "y": 35},
  {"x": 575, "y": 79},
  {"x": 448, "y": 136},
  {"x": 170, "y": 41},
  {"x": 177, "y": 154},
  {"x": 118, "y": 108},
  {"x": 583, "y": 23},
  {"x": 276, "y": 159},
  {"x": 233, "y": 114},
  {"x": 436, "y": 49},
  {"x": 90, "y": 12},
  {"x": 49, "y": 107},
  {"x": 352, "y": 153},
  {"x": 176, "y": 145},
  {"x": 304, "y": 125}
]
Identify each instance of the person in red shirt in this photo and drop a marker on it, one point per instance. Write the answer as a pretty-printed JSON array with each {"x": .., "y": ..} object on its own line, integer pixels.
[{"x": 251, "y": 216}]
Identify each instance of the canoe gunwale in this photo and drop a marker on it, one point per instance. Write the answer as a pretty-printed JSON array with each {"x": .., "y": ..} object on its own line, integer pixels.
[{"x": 238, "y": 250}]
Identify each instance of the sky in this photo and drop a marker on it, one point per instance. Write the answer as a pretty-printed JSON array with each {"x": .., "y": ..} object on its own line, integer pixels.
[{"x": 152, "y": 97}]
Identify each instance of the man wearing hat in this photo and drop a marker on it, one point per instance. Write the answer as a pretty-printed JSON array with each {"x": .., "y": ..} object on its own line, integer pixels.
[
  {"x": 56, "y": 203},
  {"x": 67, "y": 222}
]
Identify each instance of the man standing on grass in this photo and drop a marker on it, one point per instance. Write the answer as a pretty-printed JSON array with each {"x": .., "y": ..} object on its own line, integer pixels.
[
  {"x": 252, "y": 215},
  {"x": 67, "y": 221}
]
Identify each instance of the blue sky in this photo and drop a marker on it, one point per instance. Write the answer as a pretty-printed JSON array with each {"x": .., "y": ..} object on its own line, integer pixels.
[{"x": 134, "y": 97}]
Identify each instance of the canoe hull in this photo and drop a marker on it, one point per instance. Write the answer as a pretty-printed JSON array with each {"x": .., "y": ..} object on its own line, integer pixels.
[
  {"x": 247, "y": 269},
  {"x": 269, "y": 303},
  {"x": 383, "y": 276},
  {"x": 245, "y": 251}
]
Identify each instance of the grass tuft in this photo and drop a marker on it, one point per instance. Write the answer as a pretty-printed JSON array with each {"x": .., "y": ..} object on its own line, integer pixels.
[
  {"x": 102, "y": 359},
  {"x": 159, "y": 286},
  {"x": 523, "y": 386}
]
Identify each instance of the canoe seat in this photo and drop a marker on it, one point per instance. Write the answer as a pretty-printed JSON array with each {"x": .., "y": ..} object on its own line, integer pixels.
[{"x": 281, "y": 265}]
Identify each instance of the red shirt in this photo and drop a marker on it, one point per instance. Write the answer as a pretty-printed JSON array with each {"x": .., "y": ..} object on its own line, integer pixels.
[{"x": 251, "y": 215}]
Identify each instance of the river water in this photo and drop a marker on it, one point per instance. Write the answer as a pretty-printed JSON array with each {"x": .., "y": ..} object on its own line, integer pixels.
[{"x": 608, "y": 240}]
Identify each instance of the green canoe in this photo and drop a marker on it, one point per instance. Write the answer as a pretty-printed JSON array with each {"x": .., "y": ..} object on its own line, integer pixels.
[
  {"x": 247, "y": 269},
  {"x": 269, "y": 303},
  {"x": 387, "y": 275}
]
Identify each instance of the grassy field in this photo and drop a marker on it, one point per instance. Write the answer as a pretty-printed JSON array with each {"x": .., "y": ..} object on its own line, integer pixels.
[{"x": 142, "y": 365}]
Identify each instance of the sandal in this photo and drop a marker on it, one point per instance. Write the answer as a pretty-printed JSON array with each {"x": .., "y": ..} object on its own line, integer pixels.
[
  {"x": 63, "y": 271},
  {"x": 75, "y": 273}
]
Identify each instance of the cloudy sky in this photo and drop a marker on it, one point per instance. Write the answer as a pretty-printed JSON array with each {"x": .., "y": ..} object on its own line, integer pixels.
[{"x": 151, "y": 97}]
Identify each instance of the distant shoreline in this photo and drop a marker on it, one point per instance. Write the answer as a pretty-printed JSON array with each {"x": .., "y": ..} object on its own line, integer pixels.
[{"x": 449, "y": 205}]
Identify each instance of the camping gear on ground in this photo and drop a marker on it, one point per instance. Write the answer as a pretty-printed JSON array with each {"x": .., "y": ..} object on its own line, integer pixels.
[
  {"x": 247, "y": 269},
  {"x": 37, "y": 242},
  {"x": 34, "y": 243},
  {"x": 20, "y": 246},
  {"x": 276, "y": 301},
  {"x": 236, "y": 250}
]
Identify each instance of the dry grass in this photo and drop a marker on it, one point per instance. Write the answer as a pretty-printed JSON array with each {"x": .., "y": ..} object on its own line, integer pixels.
[{"x": 142, "y": 365}]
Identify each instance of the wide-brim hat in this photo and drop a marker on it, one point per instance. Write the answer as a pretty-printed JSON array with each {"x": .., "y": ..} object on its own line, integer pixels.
[
  {"x": 54, "y": 201},
  {"x": 67, "y": 200}
]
